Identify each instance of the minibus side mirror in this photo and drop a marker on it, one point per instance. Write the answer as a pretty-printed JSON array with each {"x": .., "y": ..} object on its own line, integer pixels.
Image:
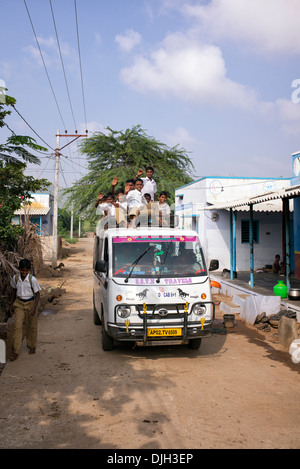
[
  {"x": 214, "y": 264},
  {"x": 101, "y": 266}
]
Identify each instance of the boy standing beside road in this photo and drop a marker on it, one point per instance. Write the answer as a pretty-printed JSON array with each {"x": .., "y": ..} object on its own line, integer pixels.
[{"x": 24, "y": 303}]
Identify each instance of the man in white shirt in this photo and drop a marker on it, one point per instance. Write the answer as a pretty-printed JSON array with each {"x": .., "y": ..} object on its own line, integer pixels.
[{"x": 149, "y": 185}]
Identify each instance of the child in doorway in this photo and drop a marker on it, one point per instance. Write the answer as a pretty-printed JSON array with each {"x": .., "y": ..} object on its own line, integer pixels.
[
  {"x": 277, "y": 266},
  {"x": 24, "y": 304}
]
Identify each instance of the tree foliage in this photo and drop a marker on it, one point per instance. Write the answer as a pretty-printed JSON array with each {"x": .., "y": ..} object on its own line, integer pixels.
[
  {"x": 15, "y": 145},
  {"x": 64, "y": 222},
  {"x": 121, "y": 154},
  {"x": 15, "y": 187}
]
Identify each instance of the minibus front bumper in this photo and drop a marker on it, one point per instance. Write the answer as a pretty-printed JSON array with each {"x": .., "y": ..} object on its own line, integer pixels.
[{"x": 180, "y": 331}]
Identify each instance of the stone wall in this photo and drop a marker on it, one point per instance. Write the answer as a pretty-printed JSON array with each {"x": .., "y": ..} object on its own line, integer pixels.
[{"x": 47, "y": 243}]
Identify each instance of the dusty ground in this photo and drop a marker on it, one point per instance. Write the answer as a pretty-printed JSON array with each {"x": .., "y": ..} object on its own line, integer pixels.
[{"x": 239, "y": 390}]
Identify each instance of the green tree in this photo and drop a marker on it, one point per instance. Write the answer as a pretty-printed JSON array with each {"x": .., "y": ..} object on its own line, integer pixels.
[
  {"x": 15, "y": 187},
  {"x": 121, "y": 154},
  {"x": 15, "y": 145},
  {"x": 64, "y": 222}
]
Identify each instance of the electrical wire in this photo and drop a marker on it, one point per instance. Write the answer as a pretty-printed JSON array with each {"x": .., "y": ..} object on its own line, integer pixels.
[
  {"x": 62, "y": 173},
  {"x": 44, "y": 64},
  {"x": 186, "y": 188},
  {"x": 63, "y": 67},
  {"x": 70, "y": 162},
  {"x": 73, "y": 162},
  {"x": 31, "y": 128},
  {"x": 80, "y": 64},
  {"x": 44, "y": 169}
]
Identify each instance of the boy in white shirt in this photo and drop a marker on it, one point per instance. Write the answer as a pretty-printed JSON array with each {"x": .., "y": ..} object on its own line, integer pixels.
[
  {"x": 163, "y": 206},
  {"x": 109, "y": 207},
  {"x": 135, "y": 198},
  {"x": 149, "y": 185},
  {"x": 24, "y": 304}
]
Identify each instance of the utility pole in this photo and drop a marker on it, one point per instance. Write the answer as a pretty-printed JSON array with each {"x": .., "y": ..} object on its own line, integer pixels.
[
  {"x": 55, "y": 205},
  {"x": 72, "y": 222},
  {"x": 79, "y": 228},
  {"x": 56, "y": 177}
]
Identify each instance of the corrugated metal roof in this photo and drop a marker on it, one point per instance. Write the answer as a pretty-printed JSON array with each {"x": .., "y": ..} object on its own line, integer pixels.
[
  {"x": 264, "y": 201},
  {"x": 32, "y": 211}
]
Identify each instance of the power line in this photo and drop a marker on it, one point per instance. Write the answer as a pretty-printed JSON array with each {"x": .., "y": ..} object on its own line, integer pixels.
[
  {"x": 32, "y": 128},
  {"x": 77, "y": 164},
  {"x": 62, "y": 173},
  {"x": 79, "y": 55},
  {"x": 44, "y": 169},
  {"x": 229, "y": 186},
  {"x": 44, "y": 64},
  {"x": 62, "y": 63}
]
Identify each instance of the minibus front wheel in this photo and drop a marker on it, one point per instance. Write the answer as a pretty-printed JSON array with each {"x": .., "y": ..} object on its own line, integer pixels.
[
  {"x": 97, "y": 320},
  {"x": 107, "y": 341},
  {"x": 194, "y": 344}
]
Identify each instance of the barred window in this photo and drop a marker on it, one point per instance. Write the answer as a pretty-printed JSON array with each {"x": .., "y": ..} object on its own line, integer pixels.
[{"x": 245, "y": 231}]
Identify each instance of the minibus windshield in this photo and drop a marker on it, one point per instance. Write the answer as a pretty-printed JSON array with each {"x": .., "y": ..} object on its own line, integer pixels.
[{"x": 158, "y": 257}]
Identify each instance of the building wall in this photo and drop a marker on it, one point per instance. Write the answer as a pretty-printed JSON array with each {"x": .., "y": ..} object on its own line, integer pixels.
[
  {"x": 295, "y": 181},
  {"x": 44, "y": 222},
  {"x": 215, "y": 235},
  {"x": 269, "y": 244}
]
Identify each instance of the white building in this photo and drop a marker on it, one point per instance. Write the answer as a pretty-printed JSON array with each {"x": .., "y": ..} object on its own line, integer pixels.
[
  {"x": 39, "y": 211},
  {"x": 197, "y": 203}
]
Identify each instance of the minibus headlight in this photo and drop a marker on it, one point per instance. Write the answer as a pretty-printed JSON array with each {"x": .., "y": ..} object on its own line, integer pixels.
[
  {"x": 199, "y": 309},
  {"x": 123, "y": 311}
]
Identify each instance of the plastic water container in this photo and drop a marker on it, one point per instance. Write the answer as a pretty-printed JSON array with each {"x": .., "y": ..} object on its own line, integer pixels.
[{"x": 280, "y": 289}]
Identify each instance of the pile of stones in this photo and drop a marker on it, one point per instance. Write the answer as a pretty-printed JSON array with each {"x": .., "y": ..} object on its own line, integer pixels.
[{"x": 266, "y": 323}]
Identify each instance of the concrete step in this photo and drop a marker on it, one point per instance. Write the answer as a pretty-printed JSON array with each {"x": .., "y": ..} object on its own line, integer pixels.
[
  {"x": 240, "y": 299},
  {"x": 230, "y": 307}
]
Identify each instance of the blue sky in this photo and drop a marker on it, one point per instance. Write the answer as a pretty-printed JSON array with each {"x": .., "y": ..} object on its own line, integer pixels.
[{"x": 219, "y": 78}]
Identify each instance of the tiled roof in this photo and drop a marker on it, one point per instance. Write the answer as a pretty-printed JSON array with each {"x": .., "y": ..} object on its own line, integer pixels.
[{"x": 32, "y": 211}]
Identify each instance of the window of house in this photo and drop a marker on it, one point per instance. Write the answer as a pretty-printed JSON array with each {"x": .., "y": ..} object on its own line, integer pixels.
[{"x": 245, "y": 231}]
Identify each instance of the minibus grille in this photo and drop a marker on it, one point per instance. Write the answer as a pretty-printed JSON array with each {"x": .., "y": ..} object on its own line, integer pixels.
[{"x": 159, "y": 311}]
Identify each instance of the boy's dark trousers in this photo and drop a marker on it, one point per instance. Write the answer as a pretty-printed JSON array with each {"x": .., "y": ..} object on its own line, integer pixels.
[{"x": 22, "y": 310}]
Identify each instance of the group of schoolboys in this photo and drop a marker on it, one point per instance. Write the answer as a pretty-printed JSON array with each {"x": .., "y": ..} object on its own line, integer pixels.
[{"x": 137, "y": 196}]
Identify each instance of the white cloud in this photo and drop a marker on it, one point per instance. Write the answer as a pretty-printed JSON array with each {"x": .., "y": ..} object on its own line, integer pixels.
[
  {"x": 6, "y": 69},
  {"x": 180, "y": 136},
  {"x": 289, "y": 113},
  {"x": 129, "y": 40},
  {"x": 92, "y": 127},
  {"x": 271, "y": 26},
  {"x": 285, "y": 112},
  {"x": 50, "y": 51},
  {"x": 189, "y": 70},
  {"x": 98, "y": 39}
]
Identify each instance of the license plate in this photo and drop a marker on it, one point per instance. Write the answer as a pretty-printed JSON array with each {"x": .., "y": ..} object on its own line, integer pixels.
[{"x": 172, "y": 332}]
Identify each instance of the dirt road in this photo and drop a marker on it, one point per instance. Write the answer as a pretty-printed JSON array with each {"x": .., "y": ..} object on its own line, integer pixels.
[{"x": 236, "y": 391}]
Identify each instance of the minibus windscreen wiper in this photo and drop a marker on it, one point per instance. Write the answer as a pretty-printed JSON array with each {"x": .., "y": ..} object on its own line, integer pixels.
[
  {"x": 135, "y": 262},
  {"x": 164, "y": 260}
]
